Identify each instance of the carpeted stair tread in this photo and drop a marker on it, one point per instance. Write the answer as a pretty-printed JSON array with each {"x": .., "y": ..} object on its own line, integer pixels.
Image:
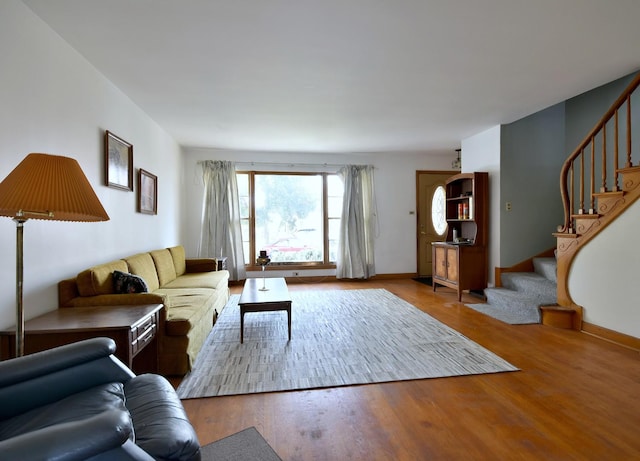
[
  {"x": 530, "y": 283},
  {"x": 547, "y": 267},
  {"x": 511, "y": 299}
]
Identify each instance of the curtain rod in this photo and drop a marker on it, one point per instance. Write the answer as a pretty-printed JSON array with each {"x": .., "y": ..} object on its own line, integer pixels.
[{"x": 285, "y": 164}]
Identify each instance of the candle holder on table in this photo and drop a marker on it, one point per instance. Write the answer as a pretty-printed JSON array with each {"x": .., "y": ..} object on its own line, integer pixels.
[{"x": 262, "y": 261}]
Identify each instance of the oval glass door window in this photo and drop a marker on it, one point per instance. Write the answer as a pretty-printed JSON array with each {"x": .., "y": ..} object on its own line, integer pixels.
[{"x": 438, "y": 204}]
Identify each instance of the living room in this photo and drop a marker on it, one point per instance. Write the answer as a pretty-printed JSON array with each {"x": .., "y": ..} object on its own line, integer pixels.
[{"x": 56, "y": 101}]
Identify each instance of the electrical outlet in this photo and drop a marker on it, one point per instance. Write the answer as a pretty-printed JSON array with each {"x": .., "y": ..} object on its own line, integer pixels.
[{"x": 508, "y": 206}]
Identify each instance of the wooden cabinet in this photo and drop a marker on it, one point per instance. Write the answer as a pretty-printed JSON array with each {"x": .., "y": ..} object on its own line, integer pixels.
[
  {"x": 446, "y": 267},
  {"x": 460, "y": 262}
]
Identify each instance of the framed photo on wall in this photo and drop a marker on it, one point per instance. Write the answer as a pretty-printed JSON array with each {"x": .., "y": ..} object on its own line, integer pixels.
[
  {"x": 147, "y": 192},
  {"x": 118, "y": 162}
]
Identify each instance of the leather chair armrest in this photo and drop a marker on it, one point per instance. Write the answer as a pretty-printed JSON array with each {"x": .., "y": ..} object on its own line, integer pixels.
[
  {"x": 44, "y": 377},
  {"x": 106, "y": 435}
]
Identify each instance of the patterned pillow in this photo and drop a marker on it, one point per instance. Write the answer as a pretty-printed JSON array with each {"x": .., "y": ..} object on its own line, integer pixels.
[{"x": 124, "y": 282}]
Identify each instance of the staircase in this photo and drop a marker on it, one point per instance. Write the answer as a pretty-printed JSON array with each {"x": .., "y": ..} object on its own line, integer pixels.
[
  {"x": 526, "y": 292},
  {"x": 598, "y": 182}
]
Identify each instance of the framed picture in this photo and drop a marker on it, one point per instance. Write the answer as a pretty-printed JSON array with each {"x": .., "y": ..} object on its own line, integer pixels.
[
  {"x": 118, "y": 162},
  {"x": 147, "y": 192}
]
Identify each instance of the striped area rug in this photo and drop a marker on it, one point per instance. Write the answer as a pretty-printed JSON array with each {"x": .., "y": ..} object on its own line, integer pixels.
[{"x": 339, "y": 338}]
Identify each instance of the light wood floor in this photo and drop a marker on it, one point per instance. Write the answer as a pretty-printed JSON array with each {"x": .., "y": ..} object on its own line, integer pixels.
[{"x": 576, "y": 397}]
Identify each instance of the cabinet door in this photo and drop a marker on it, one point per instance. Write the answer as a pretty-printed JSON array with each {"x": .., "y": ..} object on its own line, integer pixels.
[
  {"x": 440, "y": 263},
  {"x": 452, "y": 264}
]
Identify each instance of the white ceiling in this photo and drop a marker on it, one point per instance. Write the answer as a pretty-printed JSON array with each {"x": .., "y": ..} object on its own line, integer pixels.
[{"x": 347, "y": 75}]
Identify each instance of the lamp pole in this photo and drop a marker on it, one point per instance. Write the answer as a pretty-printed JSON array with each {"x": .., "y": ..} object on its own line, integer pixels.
[{"x": 19, "y": 280}]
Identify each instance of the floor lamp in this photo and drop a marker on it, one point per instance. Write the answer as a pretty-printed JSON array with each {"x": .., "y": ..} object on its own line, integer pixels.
[{"x": 48, "y": 187}]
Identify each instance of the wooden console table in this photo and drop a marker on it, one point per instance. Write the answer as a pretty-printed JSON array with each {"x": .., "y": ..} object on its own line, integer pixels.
[{"x": 133, "y": 328}]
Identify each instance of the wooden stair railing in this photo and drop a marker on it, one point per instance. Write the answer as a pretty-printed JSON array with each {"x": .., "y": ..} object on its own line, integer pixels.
[{"x": 597, "y": 158}]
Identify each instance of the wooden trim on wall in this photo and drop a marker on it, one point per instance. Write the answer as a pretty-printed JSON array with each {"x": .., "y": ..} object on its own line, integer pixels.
[{"x": 612, "y": 336}]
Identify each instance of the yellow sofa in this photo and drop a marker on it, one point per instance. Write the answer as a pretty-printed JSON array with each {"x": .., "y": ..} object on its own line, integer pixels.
[{"x": 192, "y": 291}]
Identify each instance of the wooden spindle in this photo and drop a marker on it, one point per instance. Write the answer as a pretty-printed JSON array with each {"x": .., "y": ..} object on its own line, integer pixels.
[
  {"x": 603, "y": 182},
  {"x": 592, "y": 184},
  {"x": 628, "y": 163},
  {"x": 571, "y": 194},
  {"x": 581, "y": 195},
  {"x": 615, "y": 154}
]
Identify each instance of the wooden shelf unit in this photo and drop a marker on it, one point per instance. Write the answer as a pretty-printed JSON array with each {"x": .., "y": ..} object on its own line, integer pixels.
[{"x": 463, "y": 265}]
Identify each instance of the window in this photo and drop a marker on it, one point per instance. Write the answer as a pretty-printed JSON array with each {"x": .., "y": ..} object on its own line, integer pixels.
[
  {"x": 295, "y": 217},
  {"x": 438, "y": 204}
]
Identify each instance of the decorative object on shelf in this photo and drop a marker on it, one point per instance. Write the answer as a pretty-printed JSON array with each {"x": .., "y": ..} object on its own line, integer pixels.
[
  {"x": 147, "y": 192},
  {"x": 118, "y": 162},
  {"x": 47, "y": 187},
  {"x": 262, "y": 261},
  {"x": 457, "y": 163}
]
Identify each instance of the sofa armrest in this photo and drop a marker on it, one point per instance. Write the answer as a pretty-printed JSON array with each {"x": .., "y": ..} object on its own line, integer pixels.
[
  {"x": 201, "y": 265},
  {"x": 67, "y": 290},
  {"x": 44, "y": 377},
  {"x": 107, "y": 433}
]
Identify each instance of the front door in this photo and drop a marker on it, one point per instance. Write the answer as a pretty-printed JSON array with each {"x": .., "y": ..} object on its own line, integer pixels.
[{"x": 432, "y": 226}]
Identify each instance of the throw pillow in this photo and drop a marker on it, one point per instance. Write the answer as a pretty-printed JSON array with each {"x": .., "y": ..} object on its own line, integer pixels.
[{"x": 124, "y": 282}]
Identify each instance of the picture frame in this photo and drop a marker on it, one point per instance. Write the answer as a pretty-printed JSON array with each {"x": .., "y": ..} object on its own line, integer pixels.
[
  {"x": 118, "y": 162},
  {"x": 147, "y": 192}
]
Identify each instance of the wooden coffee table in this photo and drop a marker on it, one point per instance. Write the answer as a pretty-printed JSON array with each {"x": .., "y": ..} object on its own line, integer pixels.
[{"x": 275, "y": 298}]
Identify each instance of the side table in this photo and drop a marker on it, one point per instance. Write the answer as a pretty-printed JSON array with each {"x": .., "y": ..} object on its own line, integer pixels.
[{"x": 133, "y": 328}]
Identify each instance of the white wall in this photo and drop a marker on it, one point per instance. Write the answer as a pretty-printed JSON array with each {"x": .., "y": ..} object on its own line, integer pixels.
[
  {"x": 481, "y": 152},
  {"x": 395, "y": 248},
  {"x": 603, "y": 278},
  {"x": 54, "y": 101}
]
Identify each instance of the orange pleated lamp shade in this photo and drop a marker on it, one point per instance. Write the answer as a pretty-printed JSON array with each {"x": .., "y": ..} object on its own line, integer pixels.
[{"x": 45, "y": 186}]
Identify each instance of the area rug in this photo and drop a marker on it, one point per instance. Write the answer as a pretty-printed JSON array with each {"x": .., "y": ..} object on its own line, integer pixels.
[
  {"x": 339, "y": 338},
  {"x": 512, "y": 317},
  {"x": 241, "y": 446}
]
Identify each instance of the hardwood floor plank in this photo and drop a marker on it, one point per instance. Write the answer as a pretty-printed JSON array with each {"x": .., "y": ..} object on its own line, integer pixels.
[{"x": 573, "y": 398}]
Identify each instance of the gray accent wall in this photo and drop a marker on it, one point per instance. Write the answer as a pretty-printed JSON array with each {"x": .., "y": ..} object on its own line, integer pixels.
[{"x": 532, "y": 154}]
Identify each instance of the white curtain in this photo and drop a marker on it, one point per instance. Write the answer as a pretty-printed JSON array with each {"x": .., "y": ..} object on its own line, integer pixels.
[
  {"x": 220, "y": 233},
  {"x": 358, "y": 224}
]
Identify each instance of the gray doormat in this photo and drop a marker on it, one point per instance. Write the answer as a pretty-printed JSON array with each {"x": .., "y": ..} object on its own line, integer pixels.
[
  {"x": 338, "y": 338},
  {"x": 245, "y": 445}
]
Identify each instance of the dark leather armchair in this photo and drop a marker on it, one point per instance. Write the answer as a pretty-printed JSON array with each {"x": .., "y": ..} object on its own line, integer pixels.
[{"x": 79, "y": 402}]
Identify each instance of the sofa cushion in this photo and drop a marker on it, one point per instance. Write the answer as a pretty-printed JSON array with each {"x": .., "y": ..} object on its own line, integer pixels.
[
  {"x": 73, "y": 408},
  {"x": 162, "y": 427},
  {"x": 178, "y": 255},
  {"x": 217, "y": 280},
  {"x": 98, "y": 280},
  {"x": 185, "y": 308},
  {"x": 164, "y": 266},
  {"x": 142, "y": 264},
  {"x": 123, "y": 282}
]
